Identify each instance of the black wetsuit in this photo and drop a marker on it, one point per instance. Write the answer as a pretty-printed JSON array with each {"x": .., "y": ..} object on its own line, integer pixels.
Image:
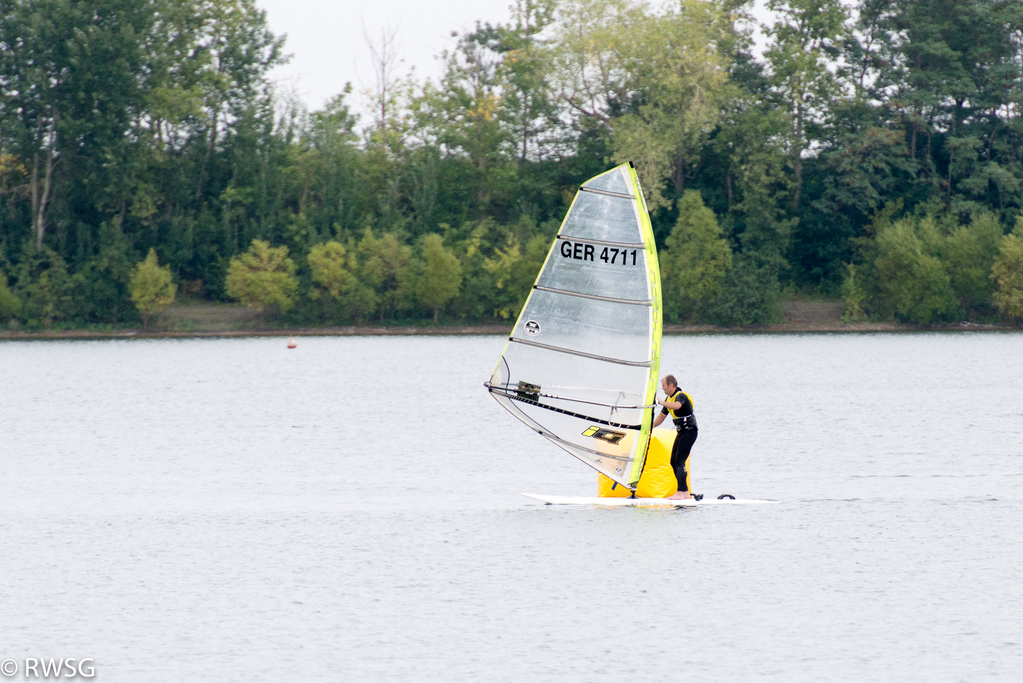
[{"x": 685, "y": 423}]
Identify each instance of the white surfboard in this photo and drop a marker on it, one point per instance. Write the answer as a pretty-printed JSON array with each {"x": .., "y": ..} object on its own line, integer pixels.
[{"x": 643, "y": 502}]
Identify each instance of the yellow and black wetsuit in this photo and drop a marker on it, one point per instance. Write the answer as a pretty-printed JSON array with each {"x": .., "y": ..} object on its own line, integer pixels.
[{"x": 685, "y": 423}]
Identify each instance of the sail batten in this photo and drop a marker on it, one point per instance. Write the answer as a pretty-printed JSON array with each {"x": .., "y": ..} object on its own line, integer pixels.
[
  {"x": 558, "y": 349},
  {"x": 581, "y": 364},
  {"x": 641, "y": 302},
  {"x": 603, "y": 243},
  {"x": 609, "y": 194}
]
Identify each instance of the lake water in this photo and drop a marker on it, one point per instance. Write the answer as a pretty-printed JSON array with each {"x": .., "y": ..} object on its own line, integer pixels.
[{"x": 231, "y": 510}]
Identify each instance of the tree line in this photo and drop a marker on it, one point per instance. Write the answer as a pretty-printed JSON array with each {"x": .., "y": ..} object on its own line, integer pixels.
[{"x": 872, "y": 152}]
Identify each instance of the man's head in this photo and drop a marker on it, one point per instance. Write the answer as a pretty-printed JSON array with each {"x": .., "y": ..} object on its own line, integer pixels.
[{"x": 668, "y": 384}]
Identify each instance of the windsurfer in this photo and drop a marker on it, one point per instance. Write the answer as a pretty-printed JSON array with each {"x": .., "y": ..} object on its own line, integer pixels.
[{"x": 678, "y": 404}]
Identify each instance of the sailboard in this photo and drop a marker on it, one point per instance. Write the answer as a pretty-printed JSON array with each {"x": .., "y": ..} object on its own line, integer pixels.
[
  {"x": 581, "y": 364},
  {"x": 644, "y": 502}
]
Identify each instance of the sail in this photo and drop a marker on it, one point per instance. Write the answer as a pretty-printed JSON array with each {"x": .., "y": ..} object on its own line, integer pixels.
[{"x": 581, "y": 364}]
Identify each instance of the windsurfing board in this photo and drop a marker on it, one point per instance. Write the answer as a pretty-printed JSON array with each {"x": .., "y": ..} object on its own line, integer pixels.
[{"x": 643, "y": 502}]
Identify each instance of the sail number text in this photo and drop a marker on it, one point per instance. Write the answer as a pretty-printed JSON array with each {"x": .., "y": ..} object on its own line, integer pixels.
[{"x": 588, "y": 252}]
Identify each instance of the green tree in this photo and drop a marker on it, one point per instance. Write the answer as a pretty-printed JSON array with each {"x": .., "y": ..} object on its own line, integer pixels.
[
  {"x": 682, "y": 82},
  {"x": 43, "y": 286},
  {"x": 101, "y": 288},
  {"x": 948, "y": 81},
  {"x": 755, "y": 184},
  {"x": 70, "y": 75},
  {"x": 237, "y": 51},
  {"x": 968, "y": 254},
  {"x": 749, "y": 295},
  {"x": 862, "y": 166},
  {"x": 152, "y": 288},
  {"x": 467, "y": 115},
  {"x": 476, "y": 244},
  {"x": 326, "y": 181},
  {"x": 333, "y": 270},
  {"x": 527, "y": 99},
  {"x": 652, "y": 80},
  {"x": 385, "y": 266},
  {"x": 441, "y": 275},
  {"x": 805, "y": 35},
  {"x": 533, "y": 257},
  {"x": 1007, "y": 274},
  {"x": 514, "y": 270},
  {"x": 263, "y": 278},
  {"x": 501, "y": 267},
  {"x": 336, "y": 282},
  {"x": 912, "y": 278},
  {"x": 855, "y": 296},
  {"x": 695, "y": 261}
]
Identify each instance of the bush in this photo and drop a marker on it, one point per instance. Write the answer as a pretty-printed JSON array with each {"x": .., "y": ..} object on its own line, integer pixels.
[
  {"x": 101, "y": 289},
  {"x": 10, "y": 305},
  {"x": 910, "y": 276},
  {"x": 749, "y": 295},
  {"x": 969, "y": 253},
  {"x": 263, "y": 278},
  {"x": 514, "y": 271},
  {"x": 441, "y": 276},
  {"x": 385, "y": 270},
  {"x": 852, "y": 290},
  {"x": 333, "y": 270},
  {"x": 43, "y": 286},
  {"x": 1007, "y": 274},
  {"x": 151, "y": 286},
  {"x": 694, "y": 264}
]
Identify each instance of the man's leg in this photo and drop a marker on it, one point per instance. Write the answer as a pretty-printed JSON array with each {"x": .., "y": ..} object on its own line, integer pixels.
[{"x": 679, "y": 457}]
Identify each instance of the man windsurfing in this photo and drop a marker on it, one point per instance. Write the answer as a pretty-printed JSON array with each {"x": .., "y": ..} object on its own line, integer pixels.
[{"x": 678, "y": 404}]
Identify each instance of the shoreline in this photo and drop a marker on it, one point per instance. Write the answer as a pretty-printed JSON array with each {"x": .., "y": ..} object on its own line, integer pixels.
[{"x": 835, "y": 327}]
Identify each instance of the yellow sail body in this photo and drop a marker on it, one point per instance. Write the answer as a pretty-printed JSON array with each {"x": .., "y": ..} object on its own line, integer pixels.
[{"x": 657, "y": 479}]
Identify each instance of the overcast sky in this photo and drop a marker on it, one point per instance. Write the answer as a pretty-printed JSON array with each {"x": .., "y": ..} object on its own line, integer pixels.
[{"x": 325, "y": 38}]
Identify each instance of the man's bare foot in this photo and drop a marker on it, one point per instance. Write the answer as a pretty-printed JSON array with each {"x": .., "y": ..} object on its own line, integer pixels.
[{"x": 680, "y": 495}]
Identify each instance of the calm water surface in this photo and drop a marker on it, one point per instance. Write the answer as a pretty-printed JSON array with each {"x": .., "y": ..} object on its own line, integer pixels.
[{"x": 230, "y": 510}]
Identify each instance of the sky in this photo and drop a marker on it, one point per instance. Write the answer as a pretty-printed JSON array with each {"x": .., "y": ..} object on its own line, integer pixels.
[
  {"x": 328, "y": 47},
  {"x": 325, "y": 38}
]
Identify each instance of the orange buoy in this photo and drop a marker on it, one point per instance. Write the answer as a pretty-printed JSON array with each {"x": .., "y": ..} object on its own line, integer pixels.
[{"x": 291, "y": 343}]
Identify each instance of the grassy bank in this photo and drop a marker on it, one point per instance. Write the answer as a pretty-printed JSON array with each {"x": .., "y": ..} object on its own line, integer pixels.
[{"x": 219, "y": 320}]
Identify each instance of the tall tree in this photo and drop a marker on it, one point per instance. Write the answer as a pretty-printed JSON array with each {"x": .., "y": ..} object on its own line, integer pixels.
[
  {"x": 527, "y": 98},
  {"x": 1007, "y": 274},
  {"x": 326, "y": 169},
  {"x": 951, "y": 62},
  {"x": 441, "y": 275},
  {"x": 469, "y": 118},
  {"x": 263, "y": 278},
  {"x": 650, "y": 79},
  {"x": 70, "y": 77},
  {"x": 804, "y": 40},
  {"x": 152, "y": 288},
  {"x": 696, "y": 258},
  {"x": 238, "y": 50}
]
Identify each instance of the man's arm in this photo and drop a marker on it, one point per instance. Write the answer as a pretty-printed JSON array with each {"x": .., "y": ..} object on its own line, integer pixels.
[{"x": 658, "y": 419}]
